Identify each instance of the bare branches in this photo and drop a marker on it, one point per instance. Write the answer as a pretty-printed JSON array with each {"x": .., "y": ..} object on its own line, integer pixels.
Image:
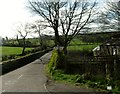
[
  {"x": 23, "y": 30},
  {"x": 70, "y": 17},
  {"x": 76, "y": 19},
  {"x": 110, "y": 18},
  {"x": 38, "y": 27}
]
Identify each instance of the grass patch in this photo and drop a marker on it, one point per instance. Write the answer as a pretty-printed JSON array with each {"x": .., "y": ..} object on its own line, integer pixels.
[
  {"x": 78, "y": 80},
  {"x": 76, "y": 41},
  {"x": 59, "y": 75},
  {"x": 12, "y": 50}
]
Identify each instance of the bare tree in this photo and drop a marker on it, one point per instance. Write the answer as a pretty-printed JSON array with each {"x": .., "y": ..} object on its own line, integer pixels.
[
  {"x": 23, "y": 32},
  {"x": 110, "y": 18},
  {"x": 38, "y": 27},
  {"x": 67, "y": 18},
  {"x": 114, "y": 9}
]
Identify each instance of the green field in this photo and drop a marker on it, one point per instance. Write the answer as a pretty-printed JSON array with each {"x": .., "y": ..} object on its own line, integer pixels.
[
  {"x": 12, "y": 50},
  {"x": 82, "y": 47},
  {"x": 78, "y": 45}
]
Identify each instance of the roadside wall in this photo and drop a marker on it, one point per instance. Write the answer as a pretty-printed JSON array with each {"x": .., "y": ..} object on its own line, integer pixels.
[{"x": 11, "y": 65}]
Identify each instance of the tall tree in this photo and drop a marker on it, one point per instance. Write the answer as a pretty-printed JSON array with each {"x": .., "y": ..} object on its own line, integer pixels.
[{"x": 65, "y": 17}]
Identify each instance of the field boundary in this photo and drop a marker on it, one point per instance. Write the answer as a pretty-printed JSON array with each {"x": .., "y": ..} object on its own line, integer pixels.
[{"x": 11, "y": 65}]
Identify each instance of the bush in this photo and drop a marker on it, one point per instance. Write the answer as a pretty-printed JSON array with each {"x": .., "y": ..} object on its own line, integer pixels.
[{"x": 6, "y": 57}]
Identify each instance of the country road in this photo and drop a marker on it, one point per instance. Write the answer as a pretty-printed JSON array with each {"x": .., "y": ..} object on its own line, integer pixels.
[{"x": 29, "y": 78}]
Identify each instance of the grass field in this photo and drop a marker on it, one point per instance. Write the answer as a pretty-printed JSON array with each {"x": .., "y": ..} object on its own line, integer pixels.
[
  {"x": 12, "y": 50},
  {"x": 78, "y": 45},
  {"x": 77, "y": 41},
  {"x": 82, "y": 47}
]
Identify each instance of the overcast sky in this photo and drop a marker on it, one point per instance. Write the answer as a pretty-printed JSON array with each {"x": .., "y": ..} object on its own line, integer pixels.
[{"x": 13, "y": 12}]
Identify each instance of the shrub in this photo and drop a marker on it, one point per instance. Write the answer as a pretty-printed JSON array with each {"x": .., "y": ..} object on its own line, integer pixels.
[{"x": 6, "y": 57}]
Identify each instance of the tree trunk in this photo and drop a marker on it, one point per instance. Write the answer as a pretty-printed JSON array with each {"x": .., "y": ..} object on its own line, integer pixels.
[
  {"x": 65, "y": 50},
  {"x": 41, "y": 43},
  {"x": 40, "y": 40},
  {"x": 23, "y": 51},
  {"x": 65, "y": 57},
  {"x": 18, "y": 40},
  {"x": 57, "y": 40}
]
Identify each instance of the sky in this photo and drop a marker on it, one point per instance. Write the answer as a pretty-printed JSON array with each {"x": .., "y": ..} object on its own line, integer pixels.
[{"x": 13, "y": 12}]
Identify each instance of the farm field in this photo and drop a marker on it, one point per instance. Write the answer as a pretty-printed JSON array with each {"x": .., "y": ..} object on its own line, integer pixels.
[
  {"x": 82, "y": 47},
  {"x": 12, "y": 50},
  {"x": 78, "y": 45},
  {"x": 78, "y": 41}
]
